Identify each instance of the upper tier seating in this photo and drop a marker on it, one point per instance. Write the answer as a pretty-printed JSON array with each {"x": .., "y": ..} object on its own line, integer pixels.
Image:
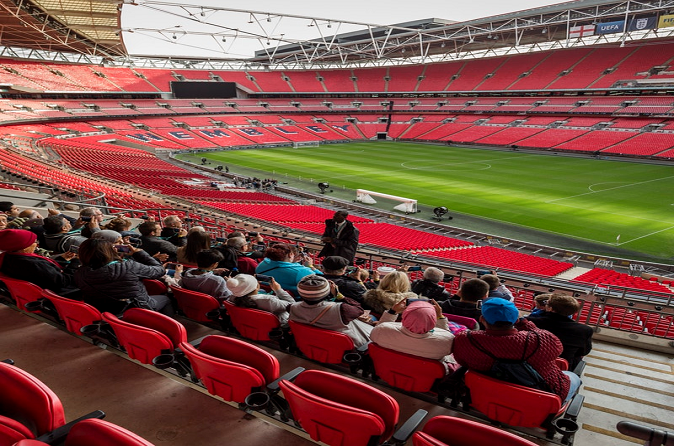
[{"x": 610, "y": 277}]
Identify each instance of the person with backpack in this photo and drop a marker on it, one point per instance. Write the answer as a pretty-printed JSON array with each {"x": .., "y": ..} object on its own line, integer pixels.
[{"x": 515, "y": 350}]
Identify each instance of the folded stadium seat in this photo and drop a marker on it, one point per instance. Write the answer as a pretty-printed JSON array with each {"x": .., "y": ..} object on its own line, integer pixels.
[
  {"x": 230, "y": 368},
  {"x": 451, "y": 431},
  {"x": 145, "y": 334},
  {"x": 251, "y": 323},
  {"x": 468, "y": 322},
  {"x": 195, "y": 305},
  {"x": 326, "y": 346},
  {"x": 521, "y": 406},
  {"x": 403, "y": 371},
  {"x": 341, "y": 411},
  {"x": 74, "y": 313},
  {"x": 28, "y": 408},
  {"x": 95, "y": 432},
  {"x": 155, "y": 287},
  {"x": 21, "y": 291}
]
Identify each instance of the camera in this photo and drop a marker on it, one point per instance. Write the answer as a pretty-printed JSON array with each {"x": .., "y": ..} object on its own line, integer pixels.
[
  {"x": 421, "y": 298},
  {"x": 74, "y": 249},
  {"x": 85, "y": 218},
  {"x": 253, "y": 234},
  {"x": 482, "y": 272},
  {"x": 414, "y": 268},
  {"x": 220, "y": 239},
  {"x": 122, "y": 248},
  {"x": 264, "y": 279}
]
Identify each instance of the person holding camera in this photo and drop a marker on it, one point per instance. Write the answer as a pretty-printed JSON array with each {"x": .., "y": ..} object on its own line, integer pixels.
[
  {"x": 173, "y": 231},
  {"x": 393, "y": 287},
  {"x": 90, "y": 221},
  {"x": 430, "y": 286},
  {"x": 59, "y": 236},
  {"x": 335, "y": 269},
  {"x": 207, "y": 277},
  {"x": 246, "y": 293},
  {"x": 152, "y": 244},
  {"x": 244, "y": 263}
]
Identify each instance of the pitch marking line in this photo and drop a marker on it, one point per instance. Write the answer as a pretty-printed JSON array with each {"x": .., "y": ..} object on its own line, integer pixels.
[
  {"x": 434, "y": 166},
  {"x": 644, "y": 236},
  {"x": 610, "y": 188},
  {"x": 613, "y": 213}
]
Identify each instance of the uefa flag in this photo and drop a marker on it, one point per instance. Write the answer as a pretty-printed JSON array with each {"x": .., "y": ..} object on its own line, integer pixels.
[{"x": 581, "y": 31}]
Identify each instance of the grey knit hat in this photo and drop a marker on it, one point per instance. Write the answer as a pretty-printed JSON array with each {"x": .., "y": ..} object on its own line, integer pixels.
[
  {"x": 313, "y": 287},
  {"x": 107, "y": 235}
]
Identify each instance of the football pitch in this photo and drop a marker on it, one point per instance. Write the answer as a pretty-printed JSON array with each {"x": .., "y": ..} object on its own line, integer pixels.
[{"x": 593, "y": 205}]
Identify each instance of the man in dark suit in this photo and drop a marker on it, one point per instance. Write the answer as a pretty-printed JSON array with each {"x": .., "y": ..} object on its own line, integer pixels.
[
  {"x": 340, "y": 237},
  {"x": 575, "y": 337}
]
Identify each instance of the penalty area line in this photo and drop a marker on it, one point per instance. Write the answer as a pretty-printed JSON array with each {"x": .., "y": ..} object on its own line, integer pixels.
[{"x": 644, "y": 236}]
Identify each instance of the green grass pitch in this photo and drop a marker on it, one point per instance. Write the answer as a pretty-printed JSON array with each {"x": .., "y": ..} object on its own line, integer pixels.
[{"x": 587, "y": 200}]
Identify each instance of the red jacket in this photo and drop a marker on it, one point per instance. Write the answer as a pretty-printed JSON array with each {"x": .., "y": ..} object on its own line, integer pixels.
[{"x": 510, "y": 344}]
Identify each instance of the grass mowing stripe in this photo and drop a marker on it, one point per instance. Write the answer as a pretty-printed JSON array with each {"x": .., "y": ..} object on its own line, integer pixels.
[{"x": 588, "y": 199}]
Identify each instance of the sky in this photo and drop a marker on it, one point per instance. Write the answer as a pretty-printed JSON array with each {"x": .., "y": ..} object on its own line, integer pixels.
[{"x": 177, "y": 35}]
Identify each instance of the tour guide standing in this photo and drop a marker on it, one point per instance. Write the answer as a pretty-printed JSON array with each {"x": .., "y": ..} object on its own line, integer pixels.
[{"x": 340, "y": 237}]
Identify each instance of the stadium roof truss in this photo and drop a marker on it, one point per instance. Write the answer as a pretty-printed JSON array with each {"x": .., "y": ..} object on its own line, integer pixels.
[{"x": 90, "y": 31}]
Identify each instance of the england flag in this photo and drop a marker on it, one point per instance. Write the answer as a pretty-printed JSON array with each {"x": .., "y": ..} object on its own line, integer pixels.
[{"x": 581, "y": 31}]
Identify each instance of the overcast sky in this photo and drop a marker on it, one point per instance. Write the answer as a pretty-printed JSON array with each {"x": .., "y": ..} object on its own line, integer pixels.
[{"x": 379, "y": 12}]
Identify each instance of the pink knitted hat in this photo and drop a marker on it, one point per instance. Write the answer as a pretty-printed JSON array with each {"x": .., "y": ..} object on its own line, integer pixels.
[{"x": 419, "y": 317}]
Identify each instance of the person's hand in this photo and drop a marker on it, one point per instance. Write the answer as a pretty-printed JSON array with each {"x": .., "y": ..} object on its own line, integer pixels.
[
  {"x": 182, "y": 233},
  {"x": 355, "y": 274},
  {"x": 334, "y": 289},
  {"x": 438, "y": 309},
  {"x": 404, "y": 268},
  {"x": 400, "y": 306},
  {"x": 53, "y": 211},
  {"x": 221, "y": 271},
  {"x": 68, "y": 256},
  {"x": 179, "y": 268},
  {"x": 274, "y": 285},
  {"x": 93, "y": 223},
  {"x": 375, "y": 275},
  {"x": 326, "y": 239},
  {"x": 159, "y": 256}
]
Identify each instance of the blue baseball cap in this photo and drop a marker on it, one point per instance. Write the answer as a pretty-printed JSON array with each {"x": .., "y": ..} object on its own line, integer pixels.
[{"x": 499, "y": 310}]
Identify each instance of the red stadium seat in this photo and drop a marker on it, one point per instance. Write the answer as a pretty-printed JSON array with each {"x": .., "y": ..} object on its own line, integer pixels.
[
  {"x": 321, "y": 345},
  {"x": 145, "y": 334},
  {"x": 102, "y": 433},
  {"x": 75, "y": 314},
  {"x": 229, "y": 368},
  {"x": 195, "y": 305},
  {"x": 251, "y": 323},
  {"x": 406, "y": 372},
  {"x": 21, "y": 291},
  {"x": 340, "y": 411},
  {"x": 450, "y": 431},
  {"x": 155, "y": 287}
]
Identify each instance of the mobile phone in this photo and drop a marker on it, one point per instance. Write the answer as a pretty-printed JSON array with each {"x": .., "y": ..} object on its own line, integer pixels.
[
  {"x": 85, "y": 218},
  {"x": 420, "y": 299},
  {"x": 171, "y": 266},
  {"x": 447, "y": 278},
  {"x": 262, "y": 278},
  {"x": 122, "y": 248},
  {"x": 478, "y": 304},
  {"x": 258, "y": 248},
  {"x": 481, "y": 273},
  {"x": 414, "y": 268},
  {"x": 74, "y": 249}
]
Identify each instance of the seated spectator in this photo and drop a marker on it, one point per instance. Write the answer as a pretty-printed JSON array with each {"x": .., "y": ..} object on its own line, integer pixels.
[
  {"x": 429, "y": 285},
  {"x": 3, "y": 221},
  {"x": 246, "y": 293},
  {"x": 319, "y": 310},
  {"x": 20, "y": 261},
  {"x": 370, "y": 282},
  {"x": 334, "y": 268},
  {"x": 58, "y": 236},
  {"x": 496, "y": 287},
  {"x": 119, "y": 224},
  {"x": 540, "y": 303},
  {"x": 256, "y": 245},
  {"x": 173, "y": 230},
  {"x": 9, "y": 209},
  {"x": 284, "y": 263},
  {"x": 244, "y": 264},
  {"x": 197, "y": 241},
  {"x": 393, "y": 287},
  {"x": 424, "y": 332},
  {"x": 576, "y": 338},
  {"x": 152, "y": 244},
  {"x": 510, "y": 337},
  {"x": 468, "y": 300},
  {"x": 90, "y": 220},
  {"x": 27, "y": 219},
  {"x": 112, "y": 281},
  {"x": 113, "y": 237},
  {"x": 205, "y": 278}
]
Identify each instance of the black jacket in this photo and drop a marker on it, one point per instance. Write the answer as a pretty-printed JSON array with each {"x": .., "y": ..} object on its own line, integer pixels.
[
  {"x": 467, "y": 309},
  {"x": 575, "y": 337},
  {"x": 346, "y": 243},
  {"x": 426, "y": 288},
  {"x": 153, "y": 245},
  {"x": 348, "y": 286},
  {"x": 39, "y": 271}
]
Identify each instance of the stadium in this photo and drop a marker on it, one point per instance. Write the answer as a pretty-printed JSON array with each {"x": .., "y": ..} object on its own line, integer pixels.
[{"x": 537, "y": 144}]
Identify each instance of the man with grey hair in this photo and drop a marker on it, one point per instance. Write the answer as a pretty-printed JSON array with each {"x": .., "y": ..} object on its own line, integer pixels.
[
  {"x": 173, "y": 231},
  {"x": 430, "y": 286},
  {"x": 90, "y": 221},
  {"x": 245, "y": 264}
]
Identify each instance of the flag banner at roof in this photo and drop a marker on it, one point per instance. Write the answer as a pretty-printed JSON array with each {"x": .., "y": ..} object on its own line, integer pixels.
[
  {"x": 638, "y": 24},
  {"x": 666, "y": 21},
  {"x": 610, "y": 27},
  {"x": 581, "y": 31}
]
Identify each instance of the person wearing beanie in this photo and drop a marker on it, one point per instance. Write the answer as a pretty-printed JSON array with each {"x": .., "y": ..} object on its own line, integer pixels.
[
  {"x": 509, "y": 337},
  {"x": 246, "y": 293},
  {"x": 206, "y": 278},
  {"x": 19, "y": 261},
  {"x": 334, "y": 268},
  {"x": 113, "y": 237},
  {"x": 323, "y": 306},
  {"x": 424, "y": 332}
]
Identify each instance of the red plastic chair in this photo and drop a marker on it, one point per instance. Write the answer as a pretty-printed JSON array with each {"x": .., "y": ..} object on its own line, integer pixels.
[
  {"x": 145, "y": 334},
  {"x": 230, "y": 368},
  {"x": 326, "y": 346},
  {"x": 251, "y": 323},
  {"x": 96, "y": 432},
  {"x": 340, "y": 411},
  {"x": 406, "y": 372},
  {"x": 469, "y": 322},
  {"x": 28, "y": 408},
  {"x": 195, "y": 305},
  {"x": 21, "y": 291},
  {"x": 155, "y": 287},
  {"x": 74, "y": 313},
  {"x": 445, "y": 431}
]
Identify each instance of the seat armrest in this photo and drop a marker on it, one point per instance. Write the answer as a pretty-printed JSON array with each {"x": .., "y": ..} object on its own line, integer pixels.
[
  {"x": 273, "y": 386},
  {"x": 574, "y": 407},
  {"x": 195, "y": 343},
  {"x": 407, "y": 429},
  {"x": 580, "y": 368},
  {"x": 363, "y": 348},
  {"x": 59, "y": 434},
  {"x": 8, "y": 361}
]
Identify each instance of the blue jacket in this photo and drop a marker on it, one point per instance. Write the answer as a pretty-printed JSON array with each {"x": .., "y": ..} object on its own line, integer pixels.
[{"x": 287, "y": 274}]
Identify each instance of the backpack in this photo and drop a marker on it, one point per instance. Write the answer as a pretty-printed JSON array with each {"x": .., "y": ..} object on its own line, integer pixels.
[{"x": 515, "y": 371}]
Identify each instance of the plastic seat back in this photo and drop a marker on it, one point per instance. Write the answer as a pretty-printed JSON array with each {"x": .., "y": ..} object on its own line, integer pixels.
[
  {"x": 444, "y": 430},
  {"x": 326, "y": 346},
  {"x": 22, "y": 292},
  {"x": 340, "y": 411},
  {"x": 102, "y": 433},
  {"x": 74, "y": 313},
  {"x": 155, "y": 287},
  {"x": 215, "y": 364},
  {"x": 195, "y": 305},
  {"x": 175, "y": 331},
  {"x": 406, "y": 372},
  {"x": 469, "y": 322},
  {"x": 140, "y": 342},
  {"x": 511, "y": 404},
  {"x": 26, "y": 400},
  {"x": 251, "y": 323}
]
